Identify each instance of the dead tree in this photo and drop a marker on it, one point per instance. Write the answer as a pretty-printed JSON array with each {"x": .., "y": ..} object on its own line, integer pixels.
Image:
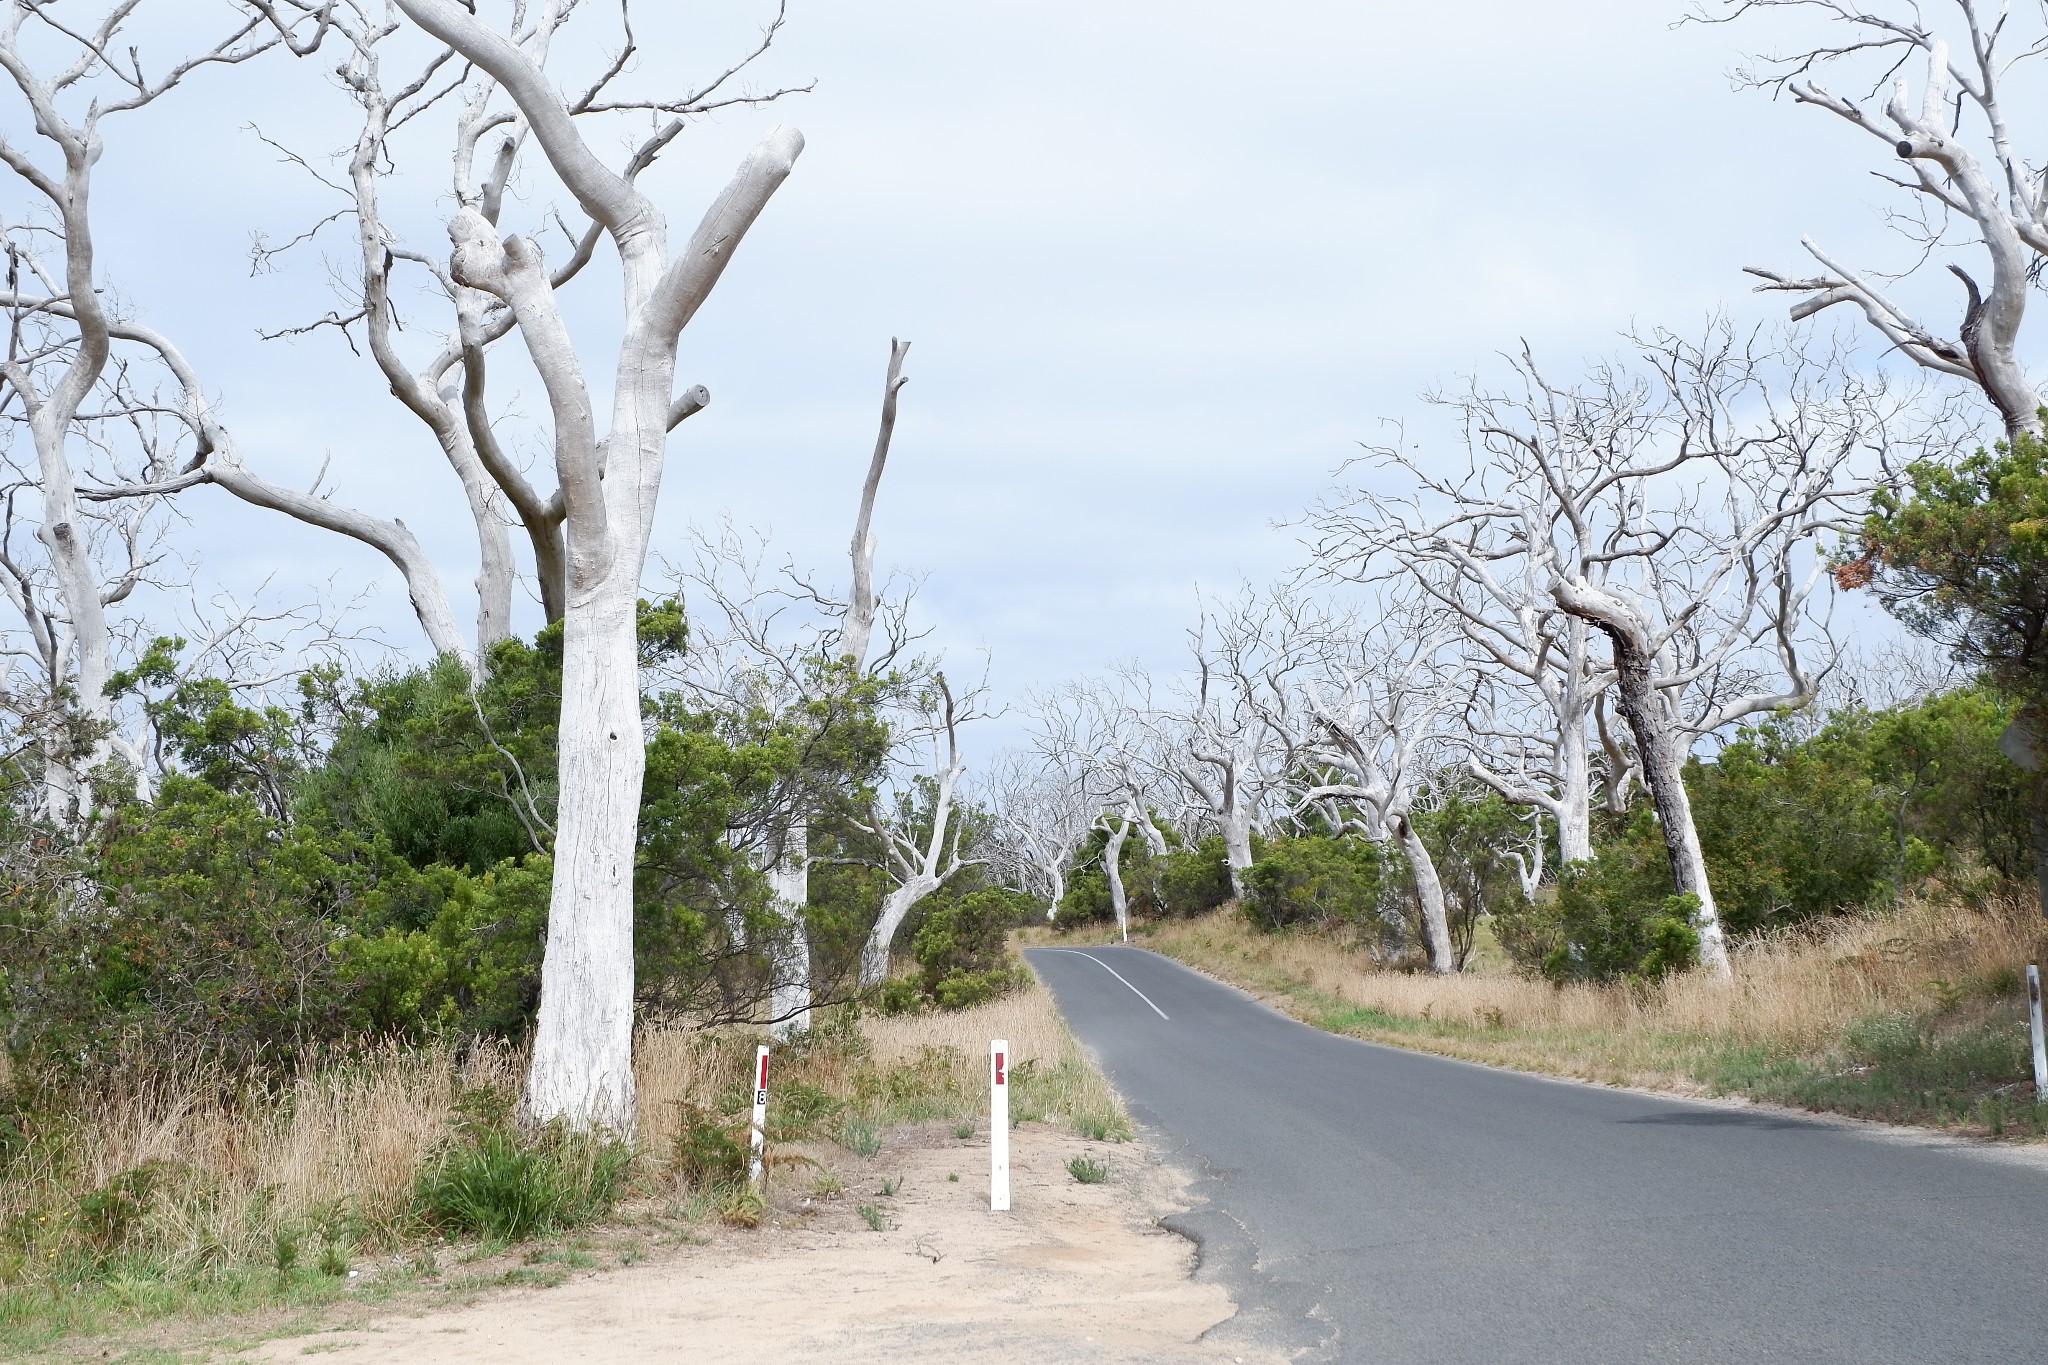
[
  {"x": 1959, "y": 160},
  {"x": 1381, "y": 706},
  {"x": 1674, "y": 502},
  {"x": 609, "y": 475}
]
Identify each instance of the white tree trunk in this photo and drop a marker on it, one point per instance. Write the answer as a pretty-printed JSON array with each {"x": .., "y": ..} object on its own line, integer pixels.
[
  {"x": 1429, "y": 892},
  {"x": 1113, "y": 872},
  {"x": 582, "y": 1067},
  {"x": 1662, "y": 758},
  {"x": 1574, "y": 794},
  {"x": 581, "y": 1071},
  {"x": 1237, "y": 846},
  {"x": 874, "y": 958},
  {"x": 789, "y": 879}
]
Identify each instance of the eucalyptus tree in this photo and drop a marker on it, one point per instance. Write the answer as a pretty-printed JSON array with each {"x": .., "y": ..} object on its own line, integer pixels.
[
  {"x": 81, "y": 385},
  {"x": 610, "y": 476},
  {"x": 1675, "y": 502},
  {"x": 1094, "y": 738},
  {"x": 1383, "y": 706},
  {"x": 1962, "y": 163},
  {"x": 1220, "y": 735},
  {"x": 1530, "y": 722},
  {"x": 1043, "y": 811},
  {"x": 917, "y": 824},
  {"x": 832, "y": 661}
]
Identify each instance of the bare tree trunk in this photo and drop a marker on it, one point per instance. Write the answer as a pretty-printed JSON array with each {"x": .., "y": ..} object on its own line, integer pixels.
[
  {"x": 582, "y": 1067},
  {"x": 1237, "y": 846},
  {"x": 1575, "y": 794},
  {"x": 1429, "y": 893},
  {"x": 1113, "y": 872},
  {"x": 1664, "y": 774},
  {"x": 860, "y": 608},
  {"x": 581, "y": 1070},
  {"x": 874, "y": 957},
  {"x": 789, "y": 879}
]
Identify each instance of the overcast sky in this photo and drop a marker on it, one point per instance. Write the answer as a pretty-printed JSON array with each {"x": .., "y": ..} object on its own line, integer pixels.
[{"x": 1164, "y": 265}]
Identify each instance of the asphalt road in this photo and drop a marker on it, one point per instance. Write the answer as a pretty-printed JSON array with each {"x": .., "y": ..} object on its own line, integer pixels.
[{"x": 1373, "y": 1204}]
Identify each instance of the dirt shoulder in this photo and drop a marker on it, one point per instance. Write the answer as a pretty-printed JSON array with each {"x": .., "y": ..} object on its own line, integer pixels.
[{"x": 1073, "y": 1272}]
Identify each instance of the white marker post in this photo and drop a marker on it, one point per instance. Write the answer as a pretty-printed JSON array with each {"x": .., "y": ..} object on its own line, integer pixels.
[
  {"x": 2040, "y": 1045},
  {"x": 998, "y": 1126},
  {"x": 758, "y": 1138}
]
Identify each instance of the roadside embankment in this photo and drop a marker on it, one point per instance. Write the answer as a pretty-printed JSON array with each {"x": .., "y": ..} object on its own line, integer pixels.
[
  {"x": 1913, "y": 1016},
  {"x": 180, "y": 1212}
]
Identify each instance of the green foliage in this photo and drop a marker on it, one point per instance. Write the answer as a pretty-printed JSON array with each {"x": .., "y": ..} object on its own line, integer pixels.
[
  {"x": 1470, "y": 840},
  {"x": 1795, "y": 825},
  {"x": 1613, "y": 917},
  {"x": 1314, "y": 882},
  {"x": 1194, "y": 880},
  {"x": 860, "y": 1137},
  {"x": 374, "y": 859},
  {"x": 1087, "y": 1170},
  {"x": 962, "y": 953},
  {"x": 109, "y": 1216},
  {"x": 708, "y": 1150},
  {"x": 492, "y": 1181},
  {"x": 1914, "y": 1069},
  {"x": 1962, "y": 556}
]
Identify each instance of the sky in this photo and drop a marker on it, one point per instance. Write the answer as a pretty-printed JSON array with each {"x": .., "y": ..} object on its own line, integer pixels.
[{"x": 1164, "y": 266}]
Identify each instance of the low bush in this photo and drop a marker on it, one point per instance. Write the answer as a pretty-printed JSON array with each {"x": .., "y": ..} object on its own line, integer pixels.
[
  {"x": 962, "y": 953},
  {"x": 492, "y": 1181},
  {"x": 707, "y": 1150},
  {"x": 1313, "y": 882},
  {"x": 1607, "y": 920}
]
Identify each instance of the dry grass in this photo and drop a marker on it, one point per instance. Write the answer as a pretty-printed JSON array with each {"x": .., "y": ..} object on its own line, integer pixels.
[
  {"x": 177, "y": 1194},
  {"x": 896, "y": 1069},
  {"x": 227, "y": 1171},
  {"x": 1796, "y": 994}
]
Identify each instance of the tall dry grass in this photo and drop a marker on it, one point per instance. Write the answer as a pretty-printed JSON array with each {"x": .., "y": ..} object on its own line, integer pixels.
[
  {"x": 896, "y": 1068},
  {"x": 224, "y": 1171},
  {"x": 224, "y": 1174},
  {"x": 1796, "y": 992}
]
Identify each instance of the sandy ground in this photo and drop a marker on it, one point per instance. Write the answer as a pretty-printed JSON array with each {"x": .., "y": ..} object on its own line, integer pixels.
[{"x": 1072, "y": 1273}]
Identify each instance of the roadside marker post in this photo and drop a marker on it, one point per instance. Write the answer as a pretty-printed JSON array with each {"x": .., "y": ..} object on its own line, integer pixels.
[
  {"x": 998, "y": 1126},
  {"x": 2040, "y": 1044},
  {"x": 758, "y": 1137}
]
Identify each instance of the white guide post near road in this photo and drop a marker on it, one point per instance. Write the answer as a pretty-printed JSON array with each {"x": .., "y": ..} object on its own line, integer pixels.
[
  {"x": 2034, "y": 1023},
  {"x": 999, "y": 1125},
  {"x": 757, "y": 1136}
]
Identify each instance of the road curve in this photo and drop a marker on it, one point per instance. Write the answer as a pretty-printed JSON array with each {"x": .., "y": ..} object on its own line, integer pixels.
[{"x": 1373, "y": 1204}]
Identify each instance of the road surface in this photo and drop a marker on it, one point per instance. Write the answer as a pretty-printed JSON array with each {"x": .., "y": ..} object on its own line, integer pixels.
[{"x": 1372, "y": 1204}]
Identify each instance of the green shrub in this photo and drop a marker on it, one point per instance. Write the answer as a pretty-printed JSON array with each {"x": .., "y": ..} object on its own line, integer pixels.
[
  {"x": 1312, "y": 882},
  {"x": 901, "y": 995},
  {"x": 962, "y": 952},
  {"x": 797, "y": 1111},
  {"x": 1194, "y": 880},
  {"x": 707, "y": 1150},
  {"x": 492, "y": 1181},
  {"x": 108, "y": 1217},
  {"x": 1612, "y": 918},
  {"x": 959, "y": 989},
  {"x": 1088, "y": 1171},
  {"x": 860, "y": 1137}
]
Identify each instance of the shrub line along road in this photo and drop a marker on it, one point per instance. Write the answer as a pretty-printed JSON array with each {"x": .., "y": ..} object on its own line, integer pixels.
[{"x": 1382, "y": 1205}]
